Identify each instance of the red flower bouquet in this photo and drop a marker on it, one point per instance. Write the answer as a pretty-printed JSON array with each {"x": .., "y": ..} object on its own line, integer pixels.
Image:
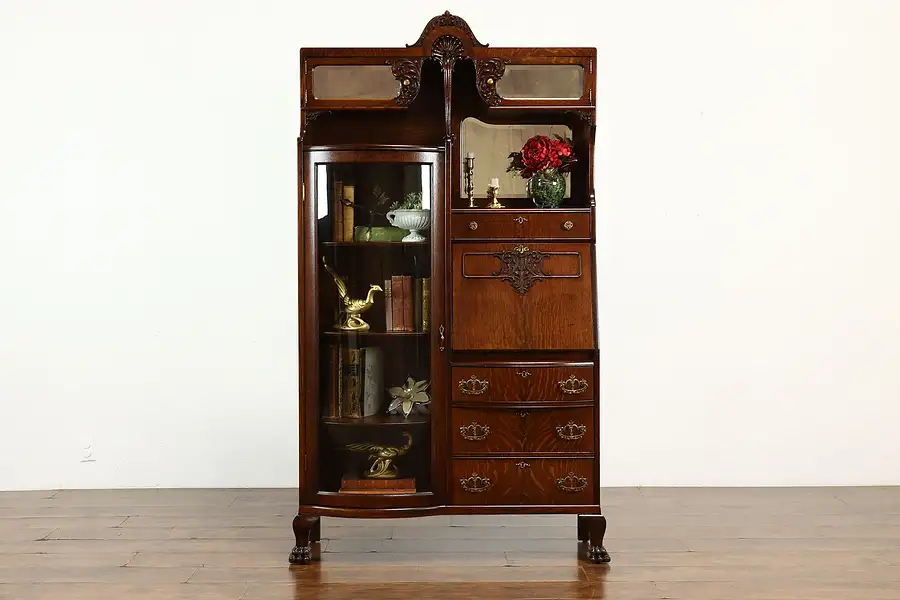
[
  {"x": 543, "y": 161},
  {"x": 541, "y": 153}
]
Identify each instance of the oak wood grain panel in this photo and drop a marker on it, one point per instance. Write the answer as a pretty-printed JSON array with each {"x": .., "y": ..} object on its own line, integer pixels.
[
  {"x": 497, "y": 431},
  {"x": 522, "y": 481},
  {"x": 547, "y": 306},
  {"x": 515, "y": 384},
  {"x": 520, "y": 224}
]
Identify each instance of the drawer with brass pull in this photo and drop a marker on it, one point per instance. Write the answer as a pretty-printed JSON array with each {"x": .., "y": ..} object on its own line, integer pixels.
[
  {"x": 517, "y": 383},
  {"x": 529, "y": 481},
  {"x": 479, "y": 431},
  {"x": 481, "y": 224}
]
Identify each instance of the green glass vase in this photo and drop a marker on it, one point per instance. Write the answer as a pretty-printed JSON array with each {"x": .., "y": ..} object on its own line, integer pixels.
[{"x": 547, "y": 188}]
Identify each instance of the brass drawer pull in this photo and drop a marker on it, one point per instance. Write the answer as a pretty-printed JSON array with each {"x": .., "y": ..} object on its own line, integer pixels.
[
  {"x": 473, "y": 386},
  {"x": 473, "y": 225},
  {"x": 523, "y": 374},
  {"x": 522, "y": 465},
  {"x": 572, "y": 483},
  {"x": 568, "y": 225},
  {"x": 571, "y": 431},
  {"x": 520, "y": 220},
  {"x": 474, "y": 432},
  {"x": 573, "y": 385},
  {"x": 475, "y": 483}
]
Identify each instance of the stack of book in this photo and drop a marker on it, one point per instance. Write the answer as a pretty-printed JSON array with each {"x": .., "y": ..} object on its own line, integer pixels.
[
  {"x": 407, "y": 303},
  {"x": 355, "y": 382},
  {"x": 342, "y": 215}
]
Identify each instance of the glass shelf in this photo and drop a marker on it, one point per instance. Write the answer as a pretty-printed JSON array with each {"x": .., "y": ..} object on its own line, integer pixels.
[
  {"x": 380, "y": 420},
  {"x": 337, "y": 333},
  {"x": 376, "y": 244}
]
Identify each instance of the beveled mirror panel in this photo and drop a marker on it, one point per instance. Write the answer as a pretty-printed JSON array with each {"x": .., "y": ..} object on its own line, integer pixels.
[
  {"x": 542, "y": 82},
  {"x": 491, "y": 145},
  {"x": 354, "y": 82}
]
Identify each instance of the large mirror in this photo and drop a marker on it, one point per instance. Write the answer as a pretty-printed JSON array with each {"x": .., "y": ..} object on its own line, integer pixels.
[{"x": 491, "y": 146}]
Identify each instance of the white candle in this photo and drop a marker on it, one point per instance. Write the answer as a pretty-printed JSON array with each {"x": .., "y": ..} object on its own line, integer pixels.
[
  {"x": 495, "y": 182},
  {"x": 470, "y": 155}
]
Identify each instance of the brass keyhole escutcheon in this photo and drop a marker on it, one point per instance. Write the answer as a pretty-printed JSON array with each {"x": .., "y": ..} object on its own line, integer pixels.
[{"x": 522, "y": 465}]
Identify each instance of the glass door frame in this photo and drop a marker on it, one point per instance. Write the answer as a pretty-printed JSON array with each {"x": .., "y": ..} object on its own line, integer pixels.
[{"x": 310, "y": 327}]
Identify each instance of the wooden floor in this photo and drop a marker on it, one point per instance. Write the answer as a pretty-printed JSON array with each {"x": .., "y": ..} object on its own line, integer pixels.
[{"x": 698, "y": 544}]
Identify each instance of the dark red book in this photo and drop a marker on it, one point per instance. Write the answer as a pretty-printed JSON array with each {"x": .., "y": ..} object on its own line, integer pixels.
[{"x": 407, "y": 304}]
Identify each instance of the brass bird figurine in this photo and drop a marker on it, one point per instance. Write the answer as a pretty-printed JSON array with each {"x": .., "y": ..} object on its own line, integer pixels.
[
  {"x": 382, "y": 457},
  {"x": 351, "y": 320}
]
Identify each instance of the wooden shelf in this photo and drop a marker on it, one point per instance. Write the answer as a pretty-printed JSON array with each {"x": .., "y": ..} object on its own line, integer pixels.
[
  {"x": 518, "y": 210},
  {"x": 380, "y": 420},
  {"x": 380, "y": 244},
  {"x": 336, "y": 333}
]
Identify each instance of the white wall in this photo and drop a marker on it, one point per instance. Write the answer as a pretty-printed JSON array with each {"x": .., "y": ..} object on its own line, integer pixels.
[{"x": 749, "y": 199}]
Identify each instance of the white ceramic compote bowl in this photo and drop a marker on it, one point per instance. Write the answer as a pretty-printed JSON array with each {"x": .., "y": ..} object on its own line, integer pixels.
[{"x": 412, "y": 220}]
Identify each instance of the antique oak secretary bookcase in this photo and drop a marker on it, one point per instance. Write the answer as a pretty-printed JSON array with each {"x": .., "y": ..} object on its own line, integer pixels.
[{"x": 432, "y": 283}]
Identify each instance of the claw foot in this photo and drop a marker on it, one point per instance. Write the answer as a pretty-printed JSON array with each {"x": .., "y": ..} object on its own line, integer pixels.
[
  {"x": 300, "y": 555},
  {"x": 598, "y": 555}
]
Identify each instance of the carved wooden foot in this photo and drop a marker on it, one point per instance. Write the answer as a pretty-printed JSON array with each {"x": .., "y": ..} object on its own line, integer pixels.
[
  {"x": 593, "y": 528},
  {"x": 582, "y": 529},
  {"x": 306, "y": 531},
  {"x": 316, "y": 534}
]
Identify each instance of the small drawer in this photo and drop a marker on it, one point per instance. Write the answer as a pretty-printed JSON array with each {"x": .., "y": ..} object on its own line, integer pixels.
[
  {"x": 523, "y": 481},
  {"x": 523, "y": 383},
  {"x": 476, "y": 431},
  {"x": 487, "y": 224}
]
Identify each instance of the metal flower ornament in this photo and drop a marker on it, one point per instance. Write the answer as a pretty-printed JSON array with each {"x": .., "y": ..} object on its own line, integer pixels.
[{"x": 409, "y": 397}]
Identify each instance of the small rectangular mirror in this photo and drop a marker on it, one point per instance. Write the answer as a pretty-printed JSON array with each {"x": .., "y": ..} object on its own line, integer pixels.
[
  {"x": 354, "y": 82},
  {"x": 491, "y": 145},
  {"x": 542, "y": 82}
]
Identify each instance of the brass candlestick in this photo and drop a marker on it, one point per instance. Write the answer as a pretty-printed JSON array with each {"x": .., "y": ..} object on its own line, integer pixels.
[
  {"x": 492, "y": 193},
  {"x": 470, "y": 179}
]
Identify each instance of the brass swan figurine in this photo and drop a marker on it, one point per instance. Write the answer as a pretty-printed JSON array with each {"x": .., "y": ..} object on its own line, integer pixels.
[
  {"x": 352, "y": 309},
  {"x": 382, "y": 458}
]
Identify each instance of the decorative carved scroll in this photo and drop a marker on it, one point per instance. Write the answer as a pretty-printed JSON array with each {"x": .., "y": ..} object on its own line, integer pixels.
[
  {"x": 487, "y": 73},
  {"x": 409, "y": 74},
  {"x": 521, "y": 268},
  {"x": 309, "y": 116},
  {"x": 586, "y": 115}
]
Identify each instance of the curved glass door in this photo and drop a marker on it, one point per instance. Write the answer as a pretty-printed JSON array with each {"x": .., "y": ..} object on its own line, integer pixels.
[{"x": 374, "y": 264}]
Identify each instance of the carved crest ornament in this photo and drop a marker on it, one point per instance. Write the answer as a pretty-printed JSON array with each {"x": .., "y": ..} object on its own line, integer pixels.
[{"x": 447, "y": 48}]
